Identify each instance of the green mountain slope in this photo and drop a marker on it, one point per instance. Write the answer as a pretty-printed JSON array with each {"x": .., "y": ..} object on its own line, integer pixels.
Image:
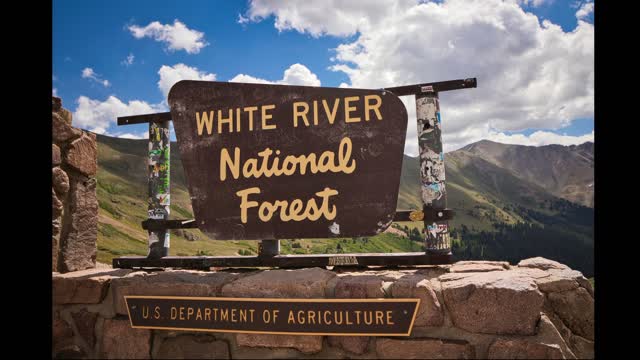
[
  {"x": 500, "y": 216},
  {"x": 490, "y": 201}
]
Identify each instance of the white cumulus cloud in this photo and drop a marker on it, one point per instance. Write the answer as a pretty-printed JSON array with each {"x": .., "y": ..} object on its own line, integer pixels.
[
  {"x": 142, "y": 135},
  {"x": 531, "y": 73},
  {"x": 97, "y": 116},
  {"x": 176, "y": 37},
  {"x": 473, "y": 134},
  {"x": 170, "y": 75},
  {"x": 296, "y": 74},
  {"x": 585, "y": 10},
  {"x": 540, "y": 138},
  {"x": 88, "y": 73},
  {"x": 128, "y": 61},
  {"x": 534, "y": 3}
]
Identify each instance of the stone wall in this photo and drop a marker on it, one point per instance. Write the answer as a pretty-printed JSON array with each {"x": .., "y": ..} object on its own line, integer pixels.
[
  {"x": 75, "y": 206},
  {"x": 471, "y": 309}
]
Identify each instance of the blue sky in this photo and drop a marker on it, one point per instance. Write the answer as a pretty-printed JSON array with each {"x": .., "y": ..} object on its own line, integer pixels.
[{"x": 262, "y": 39}]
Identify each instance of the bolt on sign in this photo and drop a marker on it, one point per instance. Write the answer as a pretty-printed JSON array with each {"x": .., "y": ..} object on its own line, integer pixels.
[
  {"x": 354, "y": 317},
  {"x": 277, "y": 162}
]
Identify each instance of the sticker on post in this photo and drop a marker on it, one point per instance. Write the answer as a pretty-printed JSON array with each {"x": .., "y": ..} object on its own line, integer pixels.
[{"x": 164, "y": 199}]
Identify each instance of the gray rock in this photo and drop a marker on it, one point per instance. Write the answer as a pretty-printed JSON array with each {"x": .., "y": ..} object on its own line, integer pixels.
[
  {"x": 85, "y": 323},
  {"x": 522, "y": 349},
  {"x": 576, "y": 309},
  {"x": 55, "y": 155},
  {"x": 121, "y": 341},
  {"x": 83, "y": 287},
  {"x": 60, "y": 181},
  {"x": 541, "y": 263},
  {"x": 430, "y": 312},
  {"x": 424, "y": 348},
  {"x": 80, "y": 226},
  {"x": 62, "y": 132},
  {"x": 193, "y": 347},
  {"x": 299, "y": 283},
  {"x": 82, "y": 154},
  {"x": 514, "y": 307},
  {"x": 307, "y": 344}
]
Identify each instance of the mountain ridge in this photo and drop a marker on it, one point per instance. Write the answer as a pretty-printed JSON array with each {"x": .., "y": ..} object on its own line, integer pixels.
[{"x": 566, "y": 171}]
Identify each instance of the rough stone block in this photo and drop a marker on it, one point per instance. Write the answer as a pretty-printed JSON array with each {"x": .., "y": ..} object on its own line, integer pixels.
[
  {"x": 71, "y": 351},
  {"x": 424, "y": 349},
  {"x": 514, "y": 305},
  {"x": 121, "y": 341},
  {"x": 60, "y": 181},
  {"x": 85, "y": 323},
  {"x": 576, "y": 309},
  {"x": 356, "y": 287},
  {"x": 299, "y": 283},
  {"x": 55, "y": 155},
  {"x": 168, "y": 283},
  {"x": 478, "y": 266},
  {"x": 56, "y": 104},
  {"x": 56, "y": 204},
  {"x": 83, "y": 287},
  {"x": 62, "y": 334},
  {"x": 541, "y": 263},
  {"x": 583, "y": 348},
  {"x": 554, "y": 283},
  {"x": 80, "y": 226},
  {"x": 522, "y": 349},
  {"x": 430, "y": 312},
  {"x": 307, "y": 344},
  {"x": 355, "y": 344},
  {"x": 359, "y": 287},
  {"x": 61, "y": 131},
  {"x": 82, "y": 154},
  {"x": 66, "y": 115},
  {"x": 193, "y": 347}
]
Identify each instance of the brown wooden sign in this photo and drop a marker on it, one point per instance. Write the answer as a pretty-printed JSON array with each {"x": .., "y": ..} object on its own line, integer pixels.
[
  {"x": 356, "y": 317},
  {"x": 280, "y": 162}
]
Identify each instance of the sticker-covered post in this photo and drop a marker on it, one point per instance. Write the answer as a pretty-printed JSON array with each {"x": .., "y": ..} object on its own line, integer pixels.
[
  {"x": 159, "y": 198},
  {"x": 432, "y": 187}
]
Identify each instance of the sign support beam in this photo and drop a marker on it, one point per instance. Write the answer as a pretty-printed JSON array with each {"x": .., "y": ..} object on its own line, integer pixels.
[
  {"x": 269, "y": 248},
  {"x": 159, "y": 195},
  {"x": 439, "y": 86},
  {"x": 432, "y": 174}
]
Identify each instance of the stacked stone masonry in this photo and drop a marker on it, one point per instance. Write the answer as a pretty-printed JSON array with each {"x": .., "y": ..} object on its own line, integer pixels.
[
  {"x": 75, "y": 205},
  {"x": 538, "y": 309}
]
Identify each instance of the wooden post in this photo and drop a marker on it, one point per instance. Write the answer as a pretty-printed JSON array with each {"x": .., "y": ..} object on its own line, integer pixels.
[
  {"x": 432, "y": 188},
  {"x": 269, "y": 248},
  {"x": 159, "y": 195}
]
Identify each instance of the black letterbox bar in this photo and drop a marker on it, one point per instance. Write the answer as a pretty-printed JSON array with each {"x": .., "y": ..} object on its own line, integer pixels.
[{"x": 439, "y": 86}]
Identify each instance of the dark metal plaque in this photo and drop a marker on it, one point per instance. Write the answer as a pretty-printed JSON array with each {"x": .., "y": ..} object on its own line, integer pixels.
[
  {"x": 353, "y": 317},
  {"x": 279, "y": 162}
]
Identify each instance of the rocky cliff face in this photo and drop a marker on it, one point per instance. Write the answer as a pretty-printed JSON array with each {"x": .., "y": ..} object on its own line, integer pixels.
[
  {"x": 471, "y": 309},
  {"x": 75, "y": 205}
]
